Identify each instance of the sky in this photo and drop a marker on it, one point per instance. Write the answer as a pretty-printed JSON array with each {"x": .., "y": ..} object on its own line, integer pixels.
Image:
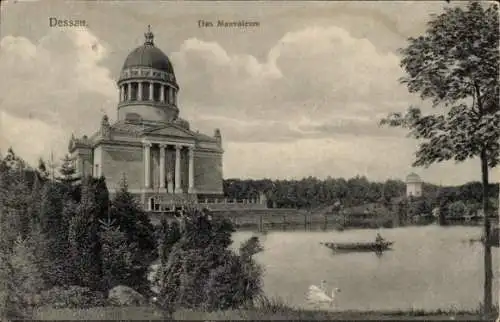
[{"x": 299, "y": 95}]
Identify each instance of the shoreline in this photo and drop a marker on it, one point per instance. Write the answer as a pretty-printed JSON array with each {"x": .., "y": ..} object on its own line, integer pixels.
[{"x": 268, "y": 313}]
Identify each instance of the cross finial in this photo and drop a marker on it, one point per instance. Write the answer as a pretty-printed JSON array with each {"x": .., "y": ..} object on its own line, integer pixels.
[{"x": 149, "y": 37}]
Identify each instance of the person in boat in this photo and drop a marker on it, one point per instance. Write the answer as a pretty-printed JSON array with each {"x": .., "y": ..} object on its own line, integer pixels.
[{"x": 379, "y": 239}]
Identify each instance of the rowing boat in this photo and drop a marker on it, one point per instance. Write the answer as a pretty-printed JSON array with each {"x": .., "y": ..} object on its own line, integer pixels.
[{"x": 360, "y": 247}]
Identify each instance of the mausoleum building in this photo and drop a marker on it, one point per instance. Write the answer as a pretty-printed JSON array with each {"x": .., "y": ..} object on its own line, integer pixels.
[{"x": 163, "y": 160}]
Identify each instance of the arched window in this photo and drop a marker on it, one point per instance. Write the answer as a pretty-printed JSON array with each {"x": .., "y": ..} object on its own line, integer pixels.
[
  {"x": 156, "y": 92},
  {"x": 134, "y": 88},
  {"x": 170, "y": 95},
  {"x": 145, "y": 91},
  {"x": 164, "y": 89},
  {"x": 124, "y": 92}
]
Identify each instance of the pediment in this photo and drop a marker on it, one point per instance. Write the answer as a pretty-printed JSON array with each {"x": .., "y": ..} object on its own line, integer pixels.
[{"x": 170, "y": 131}]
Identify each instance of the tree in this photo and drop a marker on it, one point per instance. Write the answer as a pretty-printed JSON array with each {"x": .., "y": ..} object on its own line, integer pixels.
[
  {"x": 455, "y": 64},
  {"x": 67, "y": 170},
  {"x": 42, "y": 170},
  {"x": 84, "y": 243},
  {"x": 312, "y": 193},
  {"x": 472, "y": 192},
  {"x": 201, "y": 270},
  {"x": 12, "y": 161},
  {"x": 54, "y": 229},
  {"x": 101, "y": 198},
  {"x": 35, "y": 204},
  {"x": 116, "y": 256},
  {"x": 170, "y": 234},
  {"x": 419, "y": 207},
  {"x": 235, "y": 283},
  {"x": 140, "y": 235},
  {"x": 15, "y": 199},
  {"x": 457, "y": 209},
  {"x": 20, "y": 277},
  {"x": 9, "y": 308},
  {"x": 27, "y": 277}
]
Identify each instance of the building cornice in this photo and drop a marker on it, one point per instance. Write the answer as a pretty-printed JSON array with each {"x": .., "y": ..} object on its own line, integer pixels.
[
  {"x": 169, "y": 141},
  {"x": 147, "y": 74},
  {"x": 207, "y": 152},
  {"x": 149, "y": 104}
]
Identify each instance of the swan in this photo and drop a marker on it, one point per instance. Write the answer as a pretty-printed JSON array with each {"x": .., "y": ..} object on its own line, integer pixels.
[{"x": 318, "y": 295}]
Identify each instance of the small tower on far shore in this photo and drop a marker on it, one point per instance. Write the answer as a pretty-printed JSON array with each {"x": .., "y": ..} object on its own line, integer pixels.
[{"x": 413, "y": 185}]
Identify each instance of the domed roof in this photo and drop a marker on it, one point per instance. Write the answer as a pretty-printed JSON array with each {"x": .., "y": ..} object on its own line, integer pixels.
[
  {"x": 148, "y": 55},
  {"x": 413, "y": 177}
]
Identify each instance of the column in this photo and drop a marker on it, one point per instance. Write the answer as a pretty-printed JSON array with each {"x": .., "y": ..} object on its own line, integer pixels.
[
  {"x": 147, "y": 165},
  {"x": 151, "y": 86},
  {"x": 191, "y": 170},
  {"x": 178, "y": 188},
  {"x": 162, "y": 93},
  {"x": 162, "y": 165},
  {"x": 129, "y": 92},
  {"x": 120, "y": 95},
  {"x": 175, "y": 97}
]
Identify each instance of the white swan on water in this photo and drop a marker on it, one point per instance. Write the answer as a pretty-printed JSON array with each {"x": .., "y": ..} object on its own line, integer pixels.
[{"x": 318, "y": 295}]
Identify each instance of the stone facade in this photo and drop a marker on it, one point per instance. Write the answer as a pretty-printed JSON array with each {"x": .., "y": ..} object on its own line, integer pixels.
[{"x": 164, "y": 162}]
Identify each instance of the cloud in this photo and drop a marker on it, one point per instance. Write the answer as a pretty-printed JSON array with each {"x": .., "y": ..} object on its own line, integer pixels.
[
  {"x": 30, "y": 138},
  {"x": 375, "y": 157},
  {"x": 310, "y": 107},
  {"x": 322, "y": 74},
  {"x": 53, "y": 87}
]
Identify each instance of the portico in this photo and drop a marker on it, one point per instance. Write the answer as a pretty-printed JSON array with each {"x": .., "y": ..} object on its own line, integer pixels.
[{"x": 165, "y": 181}]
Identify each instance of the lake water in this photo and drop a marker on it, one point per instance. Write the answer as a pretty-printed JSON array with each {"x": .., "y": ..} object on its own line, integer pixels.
[{"x": 429, "y": 268}]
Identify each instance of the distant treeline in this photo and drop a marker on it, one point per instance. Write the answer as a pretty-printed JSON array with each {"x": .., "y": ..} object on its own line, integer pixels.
[{"x": 309, "y": 193}]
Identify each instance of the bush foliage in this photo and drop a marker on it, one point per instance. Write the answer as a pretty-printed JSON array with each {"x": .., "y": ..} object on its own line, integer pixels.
[
  {"x": 58, "y": 244},
  {"x": 65, "y": 244},
  {"x": 72, "y": 297},
  {"x": 198, "y": 270}
]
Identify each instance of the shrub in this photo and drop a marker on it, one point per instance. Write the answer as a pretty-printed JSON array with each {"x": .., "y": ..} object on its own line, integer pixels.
[
  {"x": 233, "y": 284},
  {"x": 457, "y": 209},
  {"x": 116, "y": 257},
  {"x": 198, "y": 270},
  {"x": 139, "y": 235}
]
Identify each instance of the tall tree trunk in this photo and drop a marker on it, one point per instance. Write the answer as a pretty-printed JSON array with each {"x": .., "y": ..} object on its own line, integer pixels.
[
  {"x": 488, "y": 269},
  {"x": 498, "y": 232}
]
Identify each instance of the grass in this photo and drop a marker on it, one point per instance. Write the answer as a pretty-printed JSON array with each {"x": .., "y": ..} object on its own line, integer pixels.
[{"x": 266, "y": 309}]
